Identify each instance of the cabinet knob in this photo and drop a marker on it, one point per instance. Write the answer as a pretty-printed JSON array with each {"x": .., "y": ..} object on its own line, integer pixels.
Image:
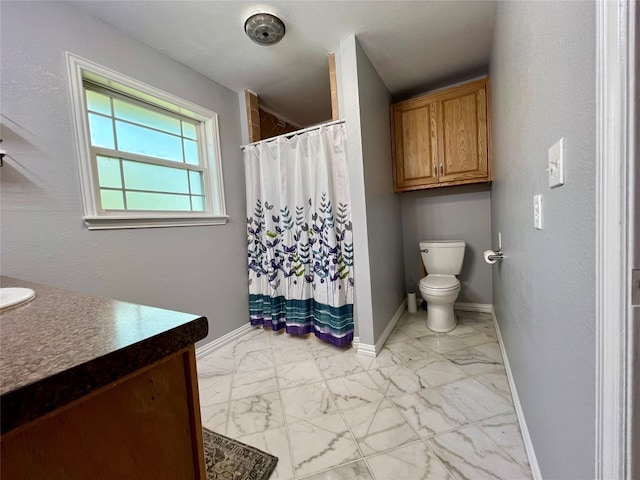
[{"x": 441, "y": 170}]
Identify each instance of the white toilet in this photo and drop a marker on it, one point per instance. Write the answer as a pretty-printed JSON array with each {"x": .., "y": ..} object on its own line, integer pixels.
[{"x": 443, "y": 261}]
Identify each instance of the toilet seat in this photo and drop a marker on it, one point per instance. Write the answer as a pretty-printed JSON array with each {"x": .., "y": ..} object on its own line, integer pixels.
[{"x": 440, "y": 283}]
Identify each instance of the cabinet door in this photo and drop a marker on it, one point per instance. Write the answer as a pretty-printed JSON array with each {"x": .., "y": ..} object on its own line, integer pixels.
[
  {"x": 414, "y": 145},
  {"x": 463, "y": 136},
  {"x": 144, "y": 426}
]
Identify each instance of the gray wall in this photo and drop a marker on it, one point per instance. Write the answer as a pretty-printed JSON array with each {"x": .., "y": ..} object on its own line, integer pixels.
[
  {"x": 347, "y": 78},
  {"x": 377, "y": 227},
  {"x": 384, "y": 219},
  {"x": 462, "y": 212},
  {"x": 195, "y": 269},
  {"x": 543, "y": 88}
]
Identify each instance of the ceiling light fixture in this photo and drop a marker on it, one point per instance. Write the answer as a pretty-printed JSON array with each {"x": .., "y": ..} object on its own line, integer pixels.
[{"x": 264, "y": 28}]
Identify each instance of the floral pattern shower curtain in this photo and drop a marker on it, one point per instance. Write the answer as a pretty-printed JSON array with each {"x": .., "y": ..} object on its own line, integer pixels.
[{"x": 299, "y": 231}]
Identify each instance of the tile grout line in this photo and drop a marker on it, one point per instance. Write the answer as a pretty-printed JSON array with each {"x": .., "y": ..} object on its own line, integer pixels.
[
  {"x": 344, "y": 420},
  {"x": 478, "y": 422},
  {"x": 342, "y": 413},
  {"x": 386, "y": 397},
  {"x": 324, "y": 381},
  {"x": 284, "y": 415},
  {"x": 394, "y": 406},
  {"x": 437, "y": 388},
  {"x": 440, "y": 460},
  {"x": 233, "y": 376},
  {"x": 420, "y": 439}
]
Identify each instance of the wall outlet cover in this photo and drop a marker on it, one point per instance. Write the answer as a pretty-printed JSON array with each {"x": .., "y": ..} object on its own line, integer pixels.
[{"x": 537, "y": 212}]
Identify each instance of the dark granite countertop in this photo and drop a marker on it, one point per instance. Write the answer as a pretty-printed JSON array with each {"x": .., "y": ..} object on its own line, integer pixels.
[{"x": 62, "y": 345}]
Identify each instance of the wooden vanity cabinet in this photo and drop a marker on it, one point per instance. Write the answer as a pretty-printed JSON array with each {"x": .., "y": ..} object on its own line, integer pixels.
[
  {"x": 442, "y": 138},
  {"x": 98, "y": 389},
  {"x": 144, "y": 426}
]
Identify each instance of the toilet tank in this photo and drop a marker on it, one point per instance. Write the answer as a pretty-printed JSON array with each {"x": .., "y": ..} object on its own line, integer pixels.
[{"x": 443, "y": 257}]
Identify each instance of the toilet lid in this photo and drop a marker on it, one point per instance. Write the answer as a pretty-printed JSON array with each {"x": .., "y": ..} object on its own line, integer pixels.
[{"x": 440, "y": 282}]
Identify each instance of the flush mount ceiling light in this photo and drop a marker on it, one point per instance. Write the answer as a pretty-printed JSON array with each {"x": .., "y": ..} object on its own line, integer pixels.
[{"x": 264, "y": 28}]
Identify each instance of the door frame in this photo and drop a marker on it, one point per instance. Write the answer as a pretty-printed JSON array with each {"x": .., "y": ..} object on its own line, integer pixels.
[{"x": 615, "y": 96}]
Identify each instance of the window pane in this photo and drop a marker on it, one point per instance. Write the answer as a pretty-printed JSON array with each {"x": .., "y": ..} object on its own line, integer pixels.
[
  {"x": 101, "y": 131},
  {"x": 109, "y": 172},
  {"x": 111, "y": 199},
  {"x": 143, "y": 116},
  {"x": 134, "y": 139},
  {"x": 195, "y": 178},
  {"x": 157, "y": 201},
  {"x": 148, "y": 153},
  {"x": 144, "y": 176},
  {"x": 189, "y": 130},
  {"x": 198, "y": 204},
  {"x": 97, "y": 102},
  {"x": 191, "y": 152}
]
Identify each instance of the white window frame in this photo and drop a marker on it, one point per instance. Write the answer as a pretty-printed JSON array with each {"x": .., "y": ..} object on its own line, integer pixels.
[{"x": 95, "y": 218}]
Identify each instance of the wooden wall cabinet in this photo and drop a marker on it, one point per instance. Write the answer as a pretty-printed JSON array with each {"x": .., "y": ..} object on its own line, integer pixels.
[{"x": 442, "y": 138}]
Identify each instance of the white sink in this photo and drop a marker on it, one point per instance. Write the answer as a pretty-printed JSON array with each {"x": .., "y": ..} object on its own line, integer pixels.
[{"x": 10, "y": 297}]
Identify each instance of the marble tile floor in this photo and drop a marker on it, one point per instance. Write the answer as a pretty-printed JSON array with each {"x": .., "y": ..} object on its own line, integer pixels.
[{"x": 429, "y": 406}]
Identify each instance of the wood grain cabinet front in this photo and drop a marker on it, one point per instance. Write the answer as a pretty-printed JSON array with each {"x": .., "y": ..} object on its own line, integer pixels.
[
  {"x": 143, "y": 426},
  {"x": 442, "y": 138}
]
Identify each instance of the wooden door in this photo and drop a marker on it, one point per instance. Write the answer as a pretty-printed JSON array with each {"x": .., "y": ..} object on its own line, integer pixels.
[
  {"x": 414, "y": 144},
  {"x": 463, "y": 134}
]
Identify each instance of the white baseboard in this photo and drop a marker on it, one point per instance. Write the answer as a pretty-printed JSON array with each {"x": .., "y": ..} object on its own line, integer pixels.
[
  {"x": 374, "y": 350},
  {"x": 526, "y": 438},
  {"x": 473, "y": 307},
  {"x": 390, "y": 326},
  {"x": 210, "y": 347},
  {"x": 367, "y": 350}
]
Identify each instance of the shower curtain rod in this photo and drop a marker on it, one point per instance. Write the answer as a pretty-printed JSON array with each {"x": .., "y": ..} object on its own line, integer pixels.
[{"x": 291, "y": 134}]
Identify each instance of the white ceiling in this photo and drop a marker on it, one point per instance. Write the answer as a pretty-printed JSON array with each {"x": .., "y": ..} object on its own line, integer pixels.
[{"x": 412, "y": 44}]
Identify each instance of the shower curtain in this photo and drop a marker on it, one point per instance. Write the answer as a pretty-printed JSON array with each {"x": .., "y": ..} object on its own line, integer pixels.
[{"x": 299, "y": 231}]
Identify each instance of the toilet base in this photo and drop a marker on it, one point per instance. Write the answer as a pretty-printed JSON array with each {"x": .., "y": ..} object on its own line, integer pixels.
[{"x": 440, "y": 317}]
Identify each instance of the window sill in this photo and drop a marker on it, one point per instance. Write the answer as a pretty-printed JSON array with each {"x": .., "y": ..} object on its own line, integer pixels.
[{"x": 121, "y": 222}]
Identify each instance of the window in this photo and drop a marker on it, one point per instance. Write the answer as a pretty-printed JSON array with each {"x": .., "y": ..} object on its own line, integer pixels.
[{"x": 146, "y": 158}]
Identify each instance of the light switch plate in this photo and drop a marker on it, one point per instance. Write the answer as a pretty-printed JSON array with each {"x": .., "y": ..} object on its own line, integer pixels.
[
  {"x": 556, "y": 164},
  {"x": 537, "y": 212}
]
